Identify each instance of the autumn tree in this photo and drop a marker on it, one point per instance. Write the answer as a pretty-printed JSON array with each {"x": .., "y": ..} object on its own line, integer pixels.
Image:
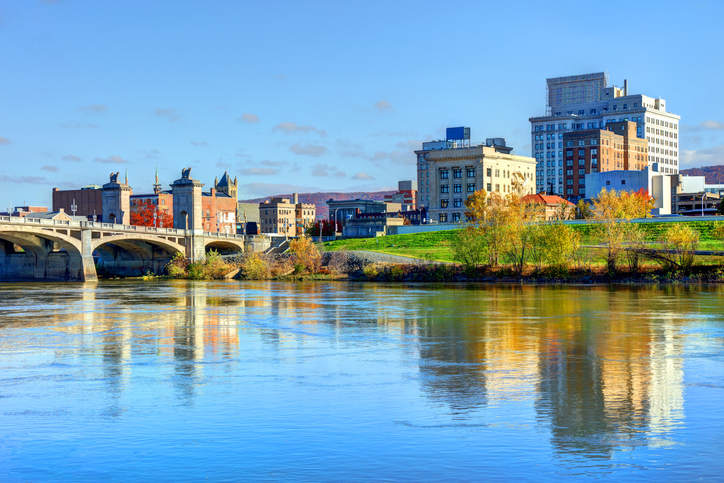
[
  {"x": 142, "y": 215},
  {"x": 306, "y": 255},
  {"x": 614, "y": 210}
]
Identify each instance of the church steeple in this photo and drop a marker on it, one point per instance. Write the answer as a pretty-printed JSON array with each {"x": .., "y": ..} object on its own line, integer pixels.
[{"x": 157, "y": 185}]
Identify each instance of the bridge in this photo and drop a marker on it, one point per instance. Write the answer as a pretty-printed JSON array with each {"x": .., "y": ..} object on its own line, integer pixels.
[{"x": 41, "y": 249}]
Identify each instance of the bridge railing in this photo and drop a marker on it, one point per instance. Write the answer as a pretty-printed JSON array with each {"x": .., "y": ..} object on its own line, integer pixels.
[
  {"x": 133, "y": 228},
  {"x": 27, "y": 220},
  {"x": 231, "y": 236}
]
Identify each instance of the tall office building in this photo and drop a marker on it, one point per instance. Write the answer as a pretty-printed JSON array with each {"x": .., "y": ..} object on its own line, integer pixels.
[{"x": 587, "y": 102}]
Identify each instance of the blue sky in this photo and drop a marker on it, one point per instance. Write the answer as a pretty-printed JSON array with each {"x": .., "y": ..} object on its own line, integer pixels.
[{"x": 319, "y": 96}]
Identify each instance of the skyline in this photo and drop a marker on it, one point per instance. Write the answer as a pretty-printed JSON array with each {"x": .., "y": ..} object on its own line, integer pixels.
[{"x": 320, "y": 96}]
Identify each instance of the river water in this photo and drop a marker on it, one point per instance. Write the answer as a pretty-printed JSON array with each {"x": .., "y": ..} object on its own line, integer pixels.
[{"x": 262, "y": 381}]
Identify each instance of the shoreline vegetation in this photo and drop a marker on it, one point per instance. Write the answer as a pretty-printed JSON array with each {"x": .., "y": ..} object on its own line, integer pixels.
[{"x": 503, "y": 241}]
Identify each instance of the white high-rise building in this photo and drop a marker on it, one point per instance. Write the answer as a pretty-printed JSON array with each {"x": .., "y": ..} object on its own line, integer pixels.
[{"x": 585, "y": 102}]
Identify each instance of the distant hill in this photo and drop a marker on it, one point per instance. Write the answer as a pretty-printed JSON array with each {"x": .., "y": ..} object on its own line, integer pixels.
[
  {"x": 320, "y": 199},
  {"x": 714, "y": 174}
]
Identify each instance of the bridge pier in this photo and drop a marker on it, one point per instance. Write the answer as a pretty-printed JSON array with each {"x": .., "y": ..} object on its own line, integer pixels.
[{"x": 87, "y": 265}]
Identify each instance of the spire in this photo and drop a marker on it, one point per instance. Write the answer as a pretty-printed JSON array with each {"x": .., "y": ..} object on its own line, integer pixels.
[
  {"x": 157, "y": 185},
  {"x": 126, "y": 175}
]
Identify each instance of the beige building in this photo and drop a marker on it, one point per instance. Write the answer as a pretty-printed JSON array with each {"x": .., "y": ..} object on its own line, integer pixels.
[
  {"x": 285, "y": 217},
  {"x": 449, "y": 172}
]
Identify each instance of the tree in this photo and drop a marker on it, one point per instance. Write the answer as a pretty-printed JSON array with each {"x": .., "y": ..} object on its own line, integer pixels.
[
  {"x": 327, "y": 228},
  {"x": 142, "y": 215},
  {"x": 614, "y": 209},
  {"x": 583, "y": 210},
  {"x": 306, "y": 255},
  {"x": 678, "y": 250}
]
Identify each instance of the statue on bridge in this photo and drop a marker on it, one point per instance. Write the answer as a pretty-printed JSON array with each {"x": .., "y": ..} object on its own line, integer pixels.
[
  {"x": 114, "y": 177},
  {"x": 186, "y": 173}
]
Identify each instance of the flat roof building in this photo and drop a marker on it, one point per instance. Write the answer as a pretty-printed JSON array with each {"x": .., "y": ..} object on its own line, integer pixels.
[
  {"x": 449, "y": 171},
  {"x": 587, "y": 102}
]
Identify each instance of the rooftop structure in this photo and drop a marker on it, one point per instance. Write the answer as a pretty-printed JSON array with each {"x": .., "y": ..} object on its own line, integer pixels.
[
  {"x": 448, "y": 173},
  {"x": 587, "y": 102}
]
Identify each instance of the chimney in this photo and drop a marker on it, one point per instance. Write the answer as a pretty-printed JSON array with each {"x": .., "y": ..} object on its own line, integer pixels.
[{"x": 625, "y": 87}]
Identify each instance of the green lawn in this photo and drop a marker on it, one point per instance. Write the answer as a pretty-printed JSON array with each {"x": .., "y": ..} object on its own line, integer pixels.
[{"x": 436, "y": 245}]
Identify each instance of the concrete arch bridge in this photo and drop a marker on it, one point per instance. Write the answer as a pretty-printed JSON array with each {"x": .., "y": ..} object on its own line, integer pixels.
[{"x": 40, "y": 249}]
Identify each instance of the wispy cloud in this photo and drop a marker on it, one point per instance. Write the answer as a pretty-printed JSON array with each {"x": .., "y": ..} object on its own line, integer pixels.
[
  {"x": 149, "y": 153},
  {"x": 201, "y": 144},
  {"x": 258, "y": 190},
  {"x": 111, "y": 160},
  {"x": 222, "y": 164},
  {"x": 709, "y": 125},
  {"x": 167, "y": 113},
  {"x": 248, "y": 117},
  {"x": 4, "y": 140},
  {"x": 383, "y": 106},
  {"x": 52, "y": 169},
  {"x": 70, "y": 157},
  {"x": 292, "y": 127},
  {"x": 259, "y": 172},
  {"x": 309, "y": 150},
  {"x": 94, "y": 108},
  {"x": 326, "y": 170},
  {"x": 363, "y": 176},
  {"x": 702, "y": 157}
]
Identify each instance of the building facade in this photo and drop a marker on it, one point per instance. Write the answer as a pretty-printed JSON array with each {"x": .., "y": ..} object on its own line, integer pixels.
[
  {"x": 449, "y": 172},
  {"x": 592, "y": 151},
  {"x": 586, "y": 102},
  {"x": 87, "y": 201},
  {"x": 406, "y": 195},
  {"x": 286, "y": 217}
]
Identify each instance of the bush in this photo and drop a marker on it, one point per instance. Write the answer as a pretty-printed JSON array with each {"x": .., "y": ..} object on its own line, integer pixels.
[
  {"x": 678, "y": 246},
  {"x": 255, "y": 267},
  {"x": 178, "y": 265},
  {"x": 371, "y": 271},
  {"x": 306, "y": 256},
  {"x": 469, "y": 247}
]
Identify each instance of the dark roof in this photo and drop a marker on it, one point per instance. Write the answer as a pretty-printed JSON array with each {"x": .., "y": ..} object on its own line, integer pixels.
[{"x": 225, "y": 180}]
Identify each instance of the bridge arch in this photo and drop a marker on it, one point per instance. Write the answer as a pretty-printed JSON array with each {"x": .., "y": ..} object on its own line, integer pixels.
[
  {"x": 46, "y": 254},
  {"x": 224, "y": 246},
  {"x": 134, "y": 255}
]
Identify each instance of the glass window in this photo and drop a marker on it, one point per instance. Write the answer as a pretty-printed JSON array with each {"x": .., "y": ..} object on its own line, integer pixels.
[
  {"x": 443, "y": 203},
  {"x": 442, "y": 217},
  {"x": 444, "y": 188},
  {"x": 471, "y": 172},
  {"x": 458, "y": 188},
  {"x": 457, "y": 173},
  {"x": 456, "y": 217},
  {"x": 444, "y": 174},
  {"x": 471, "y": 187}
]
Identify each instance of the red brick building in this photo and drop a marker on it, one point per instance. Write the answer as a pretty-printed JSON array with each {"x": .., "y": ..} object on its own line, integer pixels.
[{"x": 599, "y": 150}]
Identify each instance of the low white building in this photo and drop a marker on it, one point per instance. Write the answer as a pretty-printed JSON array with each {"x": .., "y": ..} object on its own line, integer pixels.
[{"x": 650, "y": 179}]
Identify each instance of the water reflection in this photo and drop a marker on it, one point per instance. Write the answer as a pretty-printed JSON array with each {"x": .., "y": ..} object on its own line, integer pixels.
[{"x": 599, "y": 370}]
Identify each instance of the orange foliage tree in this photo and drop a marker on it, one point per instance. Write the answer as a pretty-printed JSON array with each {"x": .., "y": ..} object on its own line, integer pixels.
[{"x": 142, "y": 215}]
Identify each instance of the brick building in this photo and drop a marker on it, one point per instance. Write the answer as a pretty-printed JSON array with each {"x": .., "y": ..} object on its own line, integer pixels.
[
  {"x": 616, "y": 147},
  {"x": 88, "y": 201},
  {"x": 406, "y": 195}
]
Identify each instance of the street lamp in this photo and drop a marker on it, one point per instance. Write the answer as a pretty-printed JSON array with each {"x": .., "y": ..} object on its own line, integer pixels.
[
  {"x": 334, "y": 225},
  {"x": 155, "y": 217}
]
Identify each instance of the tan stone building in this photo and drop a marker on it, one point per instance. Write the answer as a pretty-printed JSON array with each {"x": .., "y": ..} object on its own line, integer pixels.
[
  {"x": 449, "y": 173},
  {"x": 286, "y": 217}
]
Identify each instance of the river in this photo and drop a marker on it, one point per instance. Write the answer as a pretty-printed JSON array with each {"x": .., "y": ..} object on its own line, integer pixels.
[{"x": 263, "y": 381}]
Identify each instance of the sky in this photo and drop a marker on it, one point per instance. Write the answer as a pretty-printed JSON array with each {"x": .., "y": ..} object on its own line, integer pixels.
[{"x": 306, "y": 96}]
